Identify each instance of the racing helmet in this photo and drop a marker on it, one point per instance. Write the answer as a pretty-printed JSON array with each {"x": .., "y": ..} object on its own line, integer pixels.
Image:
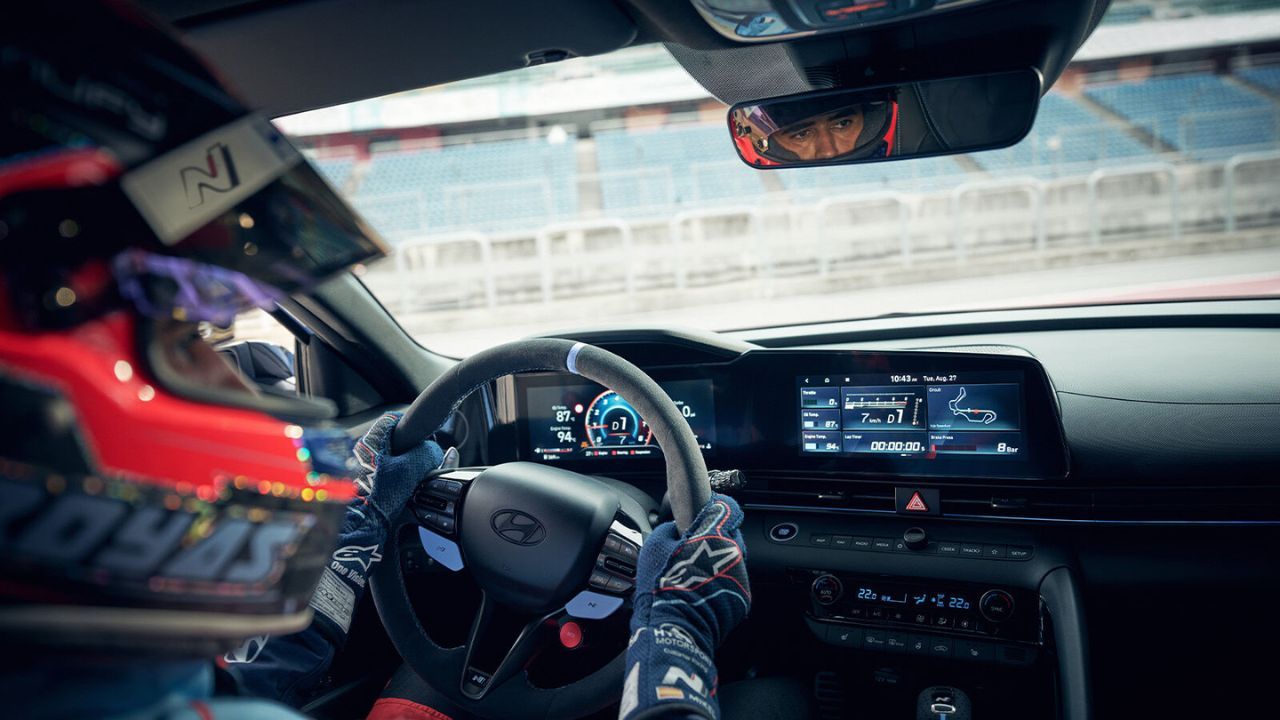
[
  {"x": 150, "y": 496},
  {"x": 760, "y": 130}
]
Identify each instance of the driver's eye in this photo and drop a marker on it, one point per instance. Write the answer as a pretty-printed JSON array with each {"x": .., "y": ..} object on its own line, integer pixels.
[
  {"x": 841, "y": 124},
  {"x": 801, "y": 135}
]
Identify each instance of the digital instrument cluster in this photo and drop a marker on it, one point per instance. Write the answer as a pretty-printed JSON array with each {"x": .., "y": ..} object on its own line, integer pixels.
[
  {"x": 576, "y": 420},
  {"x": 911, "y": 415},
  {"x": 830, "y": 414}
]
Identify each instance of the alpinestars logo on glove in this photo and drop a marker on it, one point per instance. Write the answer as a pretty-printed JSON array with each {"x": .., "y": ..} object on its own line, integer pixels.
[
  {"x": 361, "y": 556},
  {"x": 690, "y": 572},
  {"x": 365, "y": 555}
]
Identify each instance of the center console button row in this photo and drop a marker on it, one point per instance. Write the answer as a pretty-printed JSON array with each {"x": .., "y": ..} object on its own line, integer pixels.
[
  {"x": 940, "y": 646},
  {"x": 941, "y": 547}
]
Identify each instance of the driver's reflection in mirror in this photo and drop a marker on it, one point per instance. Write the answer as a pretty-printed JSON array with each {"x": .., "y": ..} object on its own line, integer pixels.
[
  {"x": 823, "y": 137},
  {"x": 817, "y": 129}
]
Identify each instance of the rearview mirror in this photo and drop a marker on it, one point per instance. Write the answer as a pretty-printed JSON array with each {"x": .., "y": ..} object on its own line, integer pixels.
[{"x": 889, "y": 122}]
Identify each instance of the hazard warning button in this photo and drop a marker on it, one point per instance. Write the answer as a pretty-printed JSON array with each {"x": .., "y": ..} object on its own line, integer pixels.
[{"x": 917, "y": 501}]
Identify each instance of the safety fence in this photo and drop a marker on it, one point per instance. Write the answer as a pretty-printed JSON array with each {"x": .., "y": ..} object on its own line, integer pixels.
[{"x": 832, "y": 237}]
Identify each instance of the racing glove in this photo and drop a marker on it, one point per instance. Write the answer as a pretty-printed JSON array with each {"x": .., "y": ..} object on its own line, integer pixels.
[
  {"x": 691, "y": 590},
  {"x": 384, "y": 483},
  {"x": 291, "y": 667}
]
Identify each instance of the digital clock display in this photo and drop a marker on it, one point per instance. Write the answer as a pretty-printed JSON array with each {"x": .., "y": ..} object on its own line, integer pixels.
[{"x": 922, "y": 416}]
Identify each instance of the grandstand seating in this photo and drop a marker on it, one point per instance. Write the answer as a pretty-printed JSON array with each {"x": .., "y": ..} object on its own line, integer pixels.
[
  {"x": 1203, "y": 115},
  {"x": 1267, "y": 77},
  {"x": 1222, "y": 7},
  {"x": 336, "y": 170},
  {"x": 1128, "y": 13},
  {"x": 483, "y": 185},
  {"x": 1067, "y": 136},
  {"x": 668, "y": 166},
  {"x": 924, "y": 174},
  {"x": 518, "y": 184}
]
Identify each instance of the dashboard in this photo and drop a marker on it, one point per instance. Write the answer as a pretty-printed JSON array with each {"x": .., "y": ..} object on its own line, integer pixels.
[
  {"x": 925, "y": 414},
  {"x": 1068, "y": 507},
  {"x": 1090, "y": 482}
]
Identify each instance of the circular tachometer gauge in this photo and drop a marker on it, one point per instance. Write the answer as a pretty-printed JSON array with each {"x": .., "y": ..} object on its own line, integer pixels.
[{"x": 612, "y": 422}]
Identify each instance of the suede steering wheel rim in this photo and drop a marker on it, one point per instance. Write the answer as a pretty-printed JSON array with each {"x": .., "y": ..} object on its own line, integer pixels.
[{"x": 687, "y": 484}]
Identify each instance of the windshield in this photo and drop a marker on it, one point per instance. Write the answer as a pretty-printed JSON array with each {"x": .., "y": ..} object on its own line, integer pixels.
[{"x": 606, "y": 191}]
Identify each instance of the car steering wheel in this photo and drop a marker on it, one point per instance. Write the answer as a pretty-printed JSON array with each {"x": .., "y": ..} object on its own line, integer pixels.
[{"x": 540, "y": 541}]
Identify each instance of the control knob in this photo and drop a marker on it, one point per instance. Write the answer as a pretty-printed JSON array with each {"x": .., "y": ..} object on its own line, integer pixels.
[
  {"x": 826, "y": 589},
  {"x": 915, "y": 539},
  {"x": 996, "y": 605}
]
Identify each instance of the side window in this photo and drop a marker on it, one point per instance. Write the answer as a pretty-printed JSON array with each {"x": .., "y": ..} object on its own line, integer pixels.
[{"x": 259, "y": 347}]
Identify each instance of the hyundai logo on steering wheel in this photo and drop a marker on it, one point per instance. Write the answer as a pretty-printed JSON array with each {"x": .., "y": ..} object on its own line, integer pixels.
[{"x": 518, "y": 528}]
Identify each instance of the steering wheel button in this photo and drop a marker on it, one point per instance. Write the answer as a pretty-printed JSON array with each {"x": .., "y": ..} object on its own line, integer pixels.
[
  {"x": 433, "y": 502},
  {"x": 589, "y": 605},
  {"x": 621, "y": 548},
  {"x": 570, "y": 635},
  {"x": 441, "y": 549},
  {"x": 618, "y": 585},
  {"x": 599, "y": 580},
  {"x": 629, "y": 550},
  {"x": 445, "y": 487},
  {"x": 619, "y": 567}
]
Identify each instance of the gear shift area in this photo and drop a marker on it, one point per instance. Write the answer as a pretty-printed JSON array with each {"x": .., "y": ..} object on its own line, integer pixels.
[{"x": 942, "y": 702}]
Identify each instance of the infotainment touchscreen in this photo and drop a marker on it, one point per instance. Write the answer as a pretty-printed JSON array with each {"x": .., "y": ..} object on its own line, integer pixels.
[
  {"x": 912, "y": 415},
  {"x": 568, "y": 419}
]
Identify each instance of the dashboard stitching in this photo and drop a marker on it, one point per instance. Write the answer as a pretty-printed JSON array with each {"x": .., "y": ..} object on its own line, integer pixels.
[{"x": 1164, "y": 402}]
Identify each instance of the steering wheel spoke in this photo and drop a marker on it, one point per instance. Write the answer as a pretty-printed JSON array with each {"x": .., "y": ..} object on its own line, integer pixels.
[
  {"x": 501, "y": 644},
  {"x": 437, "y": 506}
]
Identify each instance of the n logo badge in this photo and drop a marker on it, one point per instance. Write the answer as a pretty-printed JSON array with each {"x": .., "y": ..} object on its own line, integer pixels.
[{"x": 220, "y": 175}]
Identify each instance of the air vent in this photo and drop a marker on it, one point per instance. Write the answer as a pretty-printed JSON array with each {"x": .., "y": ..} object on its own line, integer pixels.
[
  {"x": 800, "y": 491},
  {"x": 1028, "y": 503},
  {"x": 1188, "y": 504},
  {"x": 1017, "y": 503}
]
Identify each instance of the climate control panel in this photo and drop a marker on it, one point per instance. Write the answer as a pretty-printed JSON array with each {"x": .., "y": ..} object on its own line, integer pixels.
[{"x": 892, "y": 614}]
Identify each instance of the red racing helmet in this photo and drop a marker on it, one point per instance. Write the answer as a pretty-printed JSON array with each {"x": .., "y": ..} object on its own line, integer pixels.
[{"x": 152, "y": 497}]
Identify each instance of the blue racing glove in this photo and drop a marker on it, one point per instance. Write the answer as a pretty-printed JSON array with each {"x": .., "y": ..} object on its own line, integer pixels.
[
  {"x": 292, "y": 667},
  {"x": 691, "y": 590},
  {"x": 384, "y": 483}
]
